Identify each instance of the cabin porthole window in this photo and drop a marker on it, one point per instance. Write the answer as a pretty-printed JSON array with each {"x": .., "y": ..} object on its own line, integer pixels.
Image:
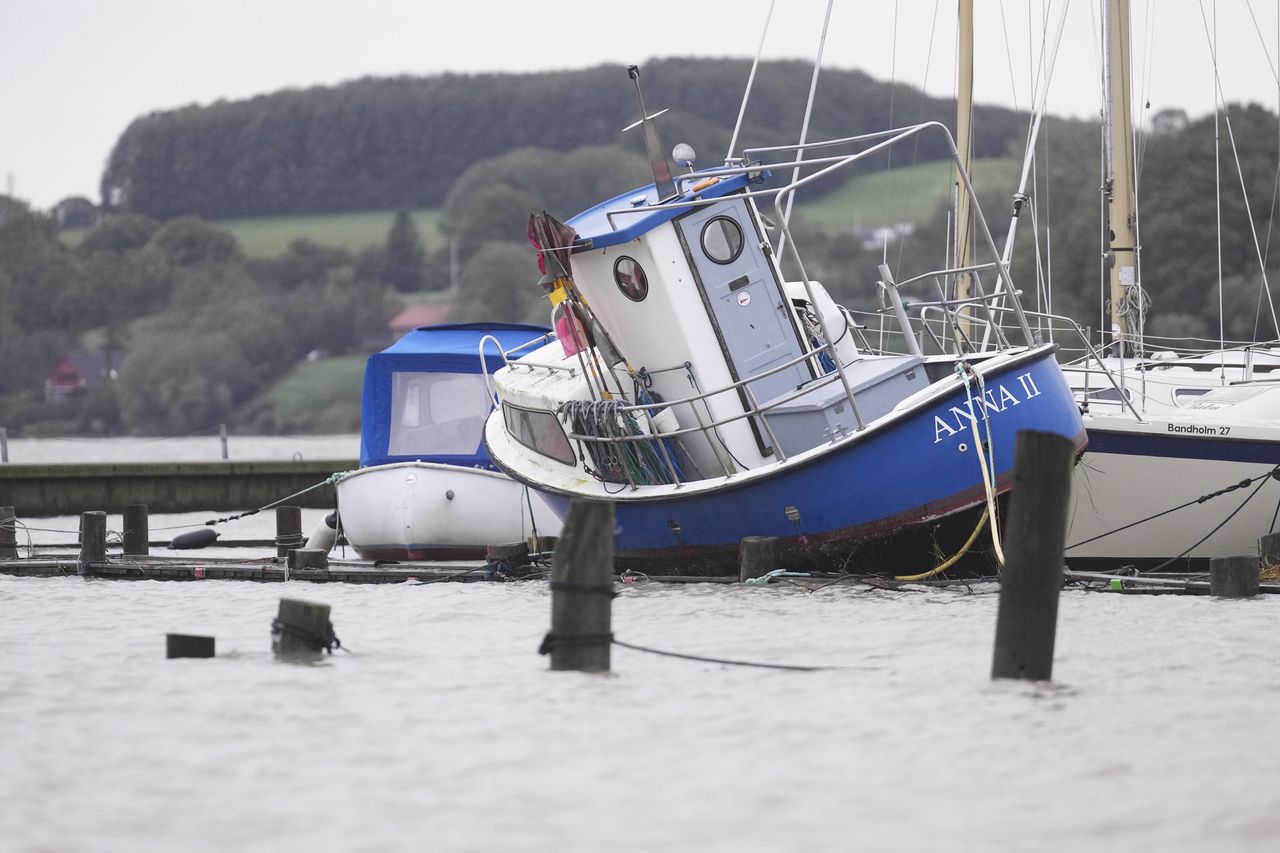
[
  {"x": 630, "y": 278},
  {"x": 722, "y": 240}
]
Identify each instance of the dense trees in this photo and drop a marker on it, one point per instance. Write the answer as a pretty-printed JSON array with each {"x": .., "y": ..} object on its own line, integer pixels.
[
  {"x": 193, "y": 329},
  {"x": 402, "y": 142}
]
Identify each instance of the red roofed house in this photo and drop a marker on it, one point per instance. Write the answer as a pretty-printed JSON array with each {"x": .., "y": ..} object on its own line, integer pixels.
[
  {"x": 76, "y": 373},
  {"x": 414, "y": 316}
]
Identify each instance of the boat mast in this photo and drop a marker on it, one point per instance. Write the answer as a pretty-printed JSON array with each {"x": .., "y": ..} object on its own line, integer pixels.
[
  {"x": 964, "y": 145},
  {"x": 1120, "y": 222}
]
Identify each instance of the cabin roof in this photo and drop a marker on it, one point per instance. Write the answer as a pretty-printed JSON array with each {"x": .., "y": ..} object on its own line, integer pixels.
[{"x": 638, "y": 212}]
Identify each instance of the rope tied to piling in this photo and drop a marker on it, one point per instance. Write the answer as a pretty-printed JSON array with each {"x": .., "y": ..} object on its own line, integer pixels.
[
  {"x": 588, "y": 589},
  {"x": 553, "y": 641},
  {"x": 326, "y": 640}
]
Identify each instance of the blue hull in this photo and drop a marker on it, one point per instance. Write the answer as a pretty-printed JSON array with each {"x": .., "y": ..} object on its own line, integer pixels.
[{"x": 909, "y": 479}]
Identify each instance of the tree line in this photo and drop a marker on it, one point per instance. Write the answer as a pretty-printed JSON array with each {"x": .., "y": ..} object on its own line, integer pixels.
[{"x": 385, "y": 143}]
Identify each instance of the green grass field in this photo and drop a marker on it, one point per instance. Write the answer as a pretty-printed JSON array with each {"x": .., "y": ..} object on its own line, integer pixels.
[
  {"x": 268, "y": 237},
  {"x": 317, "y": 396},
  {"x": 876, "y": 199},
  {"x": 907, "y": 194}
]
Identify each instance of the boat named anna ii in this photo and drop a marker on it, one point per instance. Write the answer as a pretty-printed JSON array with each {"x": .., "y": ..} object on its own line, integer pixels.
[{"x": 710, "y": 399}]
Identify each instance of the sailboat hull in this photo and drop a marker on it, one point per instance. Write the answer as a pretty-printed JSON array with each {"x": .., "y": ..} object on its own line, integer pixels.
[{"x": 1185, "y": 471}]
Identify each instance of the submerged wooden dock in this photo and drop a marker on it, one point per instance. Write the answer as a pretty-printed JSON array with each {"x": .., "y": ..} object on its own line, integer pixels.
[
  {"x": 267, "y": 569},
  {"x": 45, "y": 490}
]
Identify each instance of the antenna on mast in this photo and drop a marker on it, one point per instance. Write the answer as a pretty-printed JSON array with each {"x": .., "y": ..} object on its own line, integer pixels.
[{"x": 662, "y": 179}]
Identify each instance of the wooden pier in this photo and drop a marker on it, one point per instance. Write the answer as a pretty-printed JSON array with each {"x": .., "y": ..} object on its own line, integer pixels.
[
  {"x": 45, "y": 490},
  {"x": 267, "y": 569}
]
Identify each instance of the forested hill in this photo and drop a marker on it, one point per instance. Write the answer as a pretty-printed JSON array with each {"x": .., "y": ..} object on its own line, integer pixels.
[{"x": 401, "y": 142}]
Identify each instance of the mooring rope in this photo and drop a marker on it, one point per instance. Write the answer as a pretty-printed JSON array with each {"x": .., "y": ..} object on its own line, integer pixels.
[
  {"x": 553, "y": 641},
  {"x": 1243, "y": 484},
  {"x": 334, "y": 478}
]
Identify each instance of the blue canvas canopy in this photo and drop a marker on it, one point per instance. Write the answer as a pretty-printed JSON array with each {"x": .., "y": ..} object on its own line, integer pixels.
[{"x": 424, "y": 396}]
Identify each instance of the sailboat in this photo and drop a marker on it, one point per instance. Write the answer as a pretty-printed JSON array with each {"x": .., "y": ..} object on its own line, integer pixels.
[
  {"x": 1182, "y": 450},
  {"x": 710, "y": 398}
]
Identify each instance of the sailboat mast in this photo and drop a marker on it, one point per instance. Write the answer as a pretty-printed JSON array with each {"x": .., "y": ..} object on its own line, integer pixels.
[
  {"x": 964, "y": 145},
  {"x": 1120, "y": 228}
]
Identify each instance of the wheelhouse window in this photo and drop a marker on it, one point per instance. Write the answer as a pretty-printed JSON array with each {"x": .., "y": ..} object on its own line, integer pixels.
[
  {"x": 722, "y": 240},
  {"x": 630, "y": 278},
  {"x": 435, "y": 414},
  {"x": 539, "y": 431}
]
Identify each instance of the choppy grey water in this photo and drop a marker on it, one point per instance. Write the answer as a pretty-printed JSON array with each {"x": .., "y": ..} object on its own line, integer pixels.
[{"x": 443, "y": 730}]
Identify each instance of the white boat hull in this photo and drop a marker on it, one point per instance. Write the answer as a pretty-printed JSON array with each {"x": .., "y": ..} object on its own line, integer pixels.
[
  {"x": 1134, "y": 470},
  {"x": 423, "y": 510}
]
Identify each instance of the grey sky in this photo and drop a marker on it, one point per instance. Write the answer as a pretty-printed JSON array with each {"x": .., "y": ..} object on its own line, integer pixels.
[{"x": 76, "y": 72}]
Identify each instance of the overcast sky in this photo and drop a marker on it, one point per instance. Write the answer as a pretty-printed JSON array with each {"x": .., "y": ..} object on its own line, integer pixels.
[{"x": 76, "y": 72}]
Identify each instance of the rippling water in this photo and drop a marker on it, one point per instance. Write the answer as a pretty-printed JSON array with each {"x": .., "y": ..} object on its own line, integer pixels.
[{"x": 444, "y": 730}]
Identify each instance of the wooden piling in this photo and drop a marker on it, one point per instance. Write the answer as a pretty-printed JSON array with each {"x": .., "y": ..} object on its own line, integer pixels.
[
  {"x": 4, "y": 444},
  {"x": 8, "y": 533},
  {"x": 222, "y": 436},
  {"x": 1269, "y": 556},
  {"x": 308, "y": 558},
  {"x": 757, "y": 556},
  {"x": 136, "y": 530},
  {"x": 288, "y": 530},
  {"x": 93, "y": 539},
  {"x": 1233, "y": 577},
  {"x": 302, "y": 630},
  {"x": 188, "y": 646},
  {"x": 1036, "y": 530},
  {"x": 582, "y": 590}
]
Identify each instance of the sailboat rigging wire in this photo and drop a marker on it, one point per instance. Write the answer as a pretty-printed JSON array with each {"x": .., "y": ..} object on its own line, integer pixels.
[
  {"x": 1040, "y": 104},
  {"x": 751, "y": 78},
  {"x": 915, "y": 146},
  {"x": 1008, "y": 53},
  {"x": 1220, "y": 99},
  {"x": 804, "y": 127}
]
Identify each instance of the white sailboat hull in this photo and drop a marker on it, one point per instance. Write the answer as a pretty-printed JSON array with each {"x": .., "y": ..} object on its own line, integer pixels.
[
  {"x": 1135, "y": 470},
  {"x": 423, "y": 510}
]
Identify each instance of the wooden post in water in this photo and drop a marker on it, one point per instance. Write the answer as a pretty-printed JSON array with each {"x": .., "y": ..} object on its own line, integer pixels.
[
  {"x": 308, "y": 558},
  {"x": 188, "y": 646},
  {"x": 582, "y": 590},
  {"x": 222, "y": 436},
  {"x": 302, "y": 630},
  {"x": 1233, "y": 577},
  {"x": 1269, "y": 555},
  {"x": 1036, "y": 532},
  {"x": 93, "y": 539},
  {"x": 136, "y": 530},
  {"x": 757, "y": 556},
  {"x": 8, "y": 533},
  {"x": 288, "y": 530},
  {"x": 4, "y": 444}
]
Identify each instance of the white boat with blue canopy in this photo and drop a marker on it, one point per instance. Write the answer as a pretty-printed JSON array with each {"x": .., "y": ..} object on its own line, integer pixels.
[
  {"x": 426, "y": 487},
  {"x": 710, "y": 399}
]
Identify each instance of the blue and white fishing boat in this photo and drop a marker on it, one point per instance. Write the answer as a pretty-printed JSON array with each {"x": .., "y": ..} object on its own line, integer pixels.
[
  {"x": 709, "y": 398},
  {"x": 426, "y": 488}
]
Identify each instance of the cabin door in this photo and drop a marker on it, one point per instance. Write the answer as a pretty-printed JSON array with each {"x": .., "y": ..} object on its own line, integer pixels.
[{"x": 752, "y": 317}]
